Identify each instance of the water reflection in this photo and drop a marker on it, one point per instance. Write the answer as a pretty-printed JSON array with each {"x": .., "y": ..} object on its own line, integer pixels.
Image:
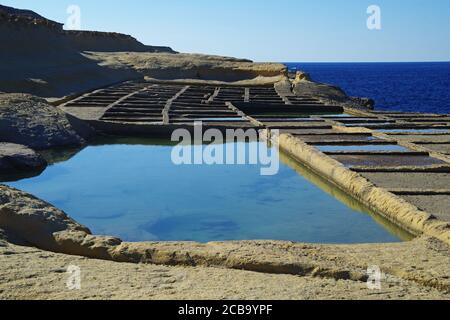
[
  {"x": 128, "y": 187},
  {"x": 342, "y": 196}
]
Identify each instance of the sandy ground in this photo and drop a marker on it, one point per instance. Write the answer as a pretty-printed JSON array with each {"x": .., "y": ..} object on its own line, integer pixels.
[{"x": 28, "y": 273}]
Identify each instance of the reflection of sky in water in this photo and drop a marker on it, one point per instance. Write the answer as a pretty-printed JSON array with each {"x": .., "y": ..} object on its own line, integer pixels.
[
  {"x": 368, "y": 147},
  {"x": 136, "y": 193}
]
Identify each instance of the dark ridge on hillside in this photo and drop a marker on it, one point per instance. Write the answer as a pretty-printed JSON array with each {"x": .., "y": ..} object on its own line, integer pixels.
[
  {"x": 20, "y": 12},
  {"x": 39, "y": 57},
  {"x": 110, "y": 42},
  {"x": 79, "y": 40},
  {"x": 11, "y": 14}
]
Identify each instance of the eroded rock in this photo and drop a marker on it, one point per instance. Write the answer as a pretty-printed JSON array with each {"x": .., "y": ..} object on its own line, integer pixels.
[
  {"x": 38, "y": 224},
  {"x": 33, "y": 221},
  {"x": 31, "y": 121},
  {"x": 84, "y": 244},
  {"x": 17, "y": 158},
  {"x": 301, "y": 76},
  {"x": 305, "y": 86}
]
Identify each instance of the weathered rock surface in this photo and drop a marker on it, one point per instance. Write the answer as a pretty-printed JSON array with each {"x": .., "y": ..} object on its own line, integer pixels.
[
  {"x": 28, "y": 273},
  {"x": 302, "y": 76},
  {"x": 26, "y": 16},
  {"x": 33, "y": 221},
  {"x": 418, "y": 268},
  {"x": 305, "y": 86},
  {"x": 28, "y": 120},
  {"x": 164, "y": 66},
  {"x": 109, "y": 42},
  {"x": 17, "y": 158},
  {"x": 38, "y": 57}
]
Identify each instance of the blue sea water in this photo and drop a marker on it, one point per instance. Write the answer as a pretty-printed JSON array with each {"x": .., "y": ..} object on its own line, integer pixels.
[{"x": 410, "y": 87}]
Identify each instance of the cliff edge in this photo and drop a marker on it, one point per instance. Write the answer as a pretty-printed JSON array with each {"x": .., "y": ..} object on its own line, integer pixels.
[{"x": 38, "y": 57}]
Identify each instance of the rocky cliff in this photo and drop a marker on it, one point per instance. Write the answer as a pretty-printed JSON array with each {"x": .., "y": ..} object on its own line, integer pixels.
[
  {"x": 79, "y": 40},
  {"x": 303, "y": 85},
  {"x": 109, "y": 42},
  {"x": 38, "y": 57},
  {"x": 24, "y": 17},
  {"x": 30, "y": 121}
]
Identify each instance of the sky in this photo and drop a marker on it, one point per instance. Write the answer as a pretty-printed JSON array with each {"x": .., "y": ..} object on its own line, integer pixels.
[{"x": 271, "y": 30}]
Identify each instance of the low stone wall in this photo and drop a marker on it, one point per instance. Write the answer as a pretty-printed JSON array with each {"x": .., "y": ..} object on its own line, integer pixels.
[{"x": 380, "y": 200}]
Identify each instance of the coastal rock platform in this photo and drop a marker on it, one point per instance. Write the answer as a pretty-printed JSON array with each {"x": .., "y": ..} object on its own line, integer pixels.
[
  {"x": 31, "y": 121},
  {"x": 29, "y": 273},
  {"x": 401, "y": 185},
  {"x": 362, "y": 144},
  {"x": 397, "y": 164},
  {"x": 186, "y": 270},
  {"x": 18, "y": 158}
]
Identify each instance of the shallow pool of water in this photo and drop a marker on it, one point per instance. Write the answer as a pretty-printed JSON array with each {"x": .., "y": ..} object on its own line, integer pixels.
[
  {"x": 368, "y": 147},
  {"x": 131, "y": 189}
]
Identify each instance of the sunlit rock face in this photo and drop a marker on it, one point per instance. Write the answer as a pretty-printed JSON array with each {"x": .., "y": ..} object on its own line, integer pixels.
[{"x": 31, "y": 121}]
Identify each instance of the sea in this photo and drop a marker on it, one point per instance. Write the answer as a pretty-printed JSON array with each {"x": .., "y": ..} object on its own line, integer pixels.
[{"x": 409, "y": 87}]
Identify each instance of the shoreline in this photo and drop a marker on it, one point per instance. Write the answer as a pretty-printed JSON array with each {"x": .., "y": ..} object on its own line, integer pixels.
[
  {"x": 216, "y": 255},
  {"x": 77, "y": 85}
]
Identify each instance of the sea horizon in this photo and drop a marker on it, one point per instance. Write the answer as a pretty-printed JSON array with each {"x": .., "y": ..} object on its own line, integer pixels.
[{"x": 401, "y": 86}]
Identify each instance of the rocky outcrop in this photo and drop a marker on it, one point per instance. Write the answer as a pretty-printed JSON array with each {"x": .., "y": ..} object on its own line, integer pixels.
[
  {"x": 302, "y": 76},
  {"x": 110, "y": 42},
  {"x": 192, "y": 67},
  {"x": 28, "y": 221},
  {"x": 79, "y": 40},
  {"x": 13, "y": 15},
  {"x": 303, "y": 85},
  {"x": 32, "y": 221},
  {"x": 18, "y": 158},
  {"x": 38, "y": 57},
  {"x": 31, "y": 121}
]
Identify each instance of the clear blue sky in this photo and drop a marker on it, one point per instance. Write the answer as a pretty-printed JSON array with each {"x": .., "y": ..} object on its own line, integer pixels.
[{"x": 272, "y": 30}]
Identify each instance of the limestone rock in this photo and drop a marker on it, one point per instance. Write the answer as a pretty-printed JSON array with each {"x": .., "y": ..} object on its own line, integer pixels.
[
  {"x": 83, "y": 244},
  {"x": 109, "y": 42},
  {"x": 31, "y": 121},
  {"x": 300, "y": 76},
  {"x": 27, "y": 220},
  {"x": 305, "y": 86},
  {"x": 166, "y": 66},
  {"x": 38, "y": 57},
  {"x": 33, "y": 221},
  {"x": 3, "y": 242},
  {"x": 284, "y": 87},
  {"x": 365, "y": 102},
  {"x": 17, "y": 158}
]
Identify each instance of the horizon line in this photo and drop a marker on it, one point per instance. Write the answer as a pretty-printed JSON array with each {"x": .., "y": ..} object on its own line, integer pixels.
[{"x": 424, "y": 61}]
